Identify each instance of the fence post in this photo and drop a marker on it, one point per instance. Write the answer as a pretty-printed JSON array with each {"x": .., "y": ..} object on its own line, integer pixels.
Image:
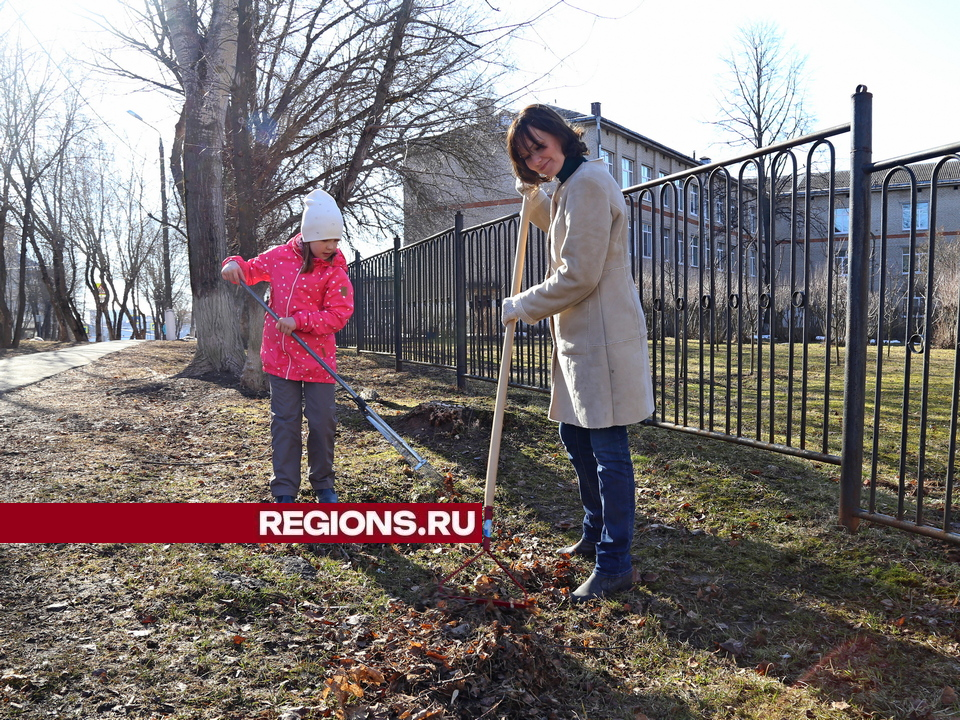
[
  {"x": 858, "y": 284},
  {"x": 397, "y": 304},
  {"x": 460, "y": 300},
  {"x": 359, "y": 305}
]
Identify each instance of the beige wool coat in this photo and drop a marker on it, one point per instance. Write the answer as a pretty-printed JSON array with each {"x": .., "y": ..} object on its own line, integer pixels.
[{"x": 600, "y": 376}]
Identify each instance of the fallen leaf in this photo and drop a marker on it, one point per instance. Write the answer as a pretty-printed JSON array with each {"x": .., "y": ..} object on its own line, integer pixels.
[
  {"x": 15, "y": 680},
  {"x": 734, "y": 647},
  {"x": 948, "y": 696},
  {"x": 765, "y": 668},
  {"x": 368, "y": 675}
]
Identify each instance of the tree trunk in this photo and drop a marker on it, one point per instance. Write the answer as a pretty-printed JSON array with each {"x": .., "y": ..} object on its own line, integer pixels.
[
  {"x": 240, "y": 114},
  {"x": 22, "y": 280},
  {"x": 6, "y": 316},
  {"x": 207, "y": 65}
]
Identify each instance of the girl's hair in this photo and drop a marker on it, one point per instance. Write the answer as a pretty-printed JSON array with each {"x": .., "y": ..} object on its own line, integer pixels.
[
  {"x": 545, "y": 119},
  {"x": 307, "y": 256}
]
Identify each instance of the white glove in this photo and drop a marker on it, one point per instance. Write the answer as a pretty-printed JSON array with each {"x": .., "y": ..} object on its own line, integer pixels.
[
  {"x": 526, "y": 190},
  {"x": 510, "y": 311}
]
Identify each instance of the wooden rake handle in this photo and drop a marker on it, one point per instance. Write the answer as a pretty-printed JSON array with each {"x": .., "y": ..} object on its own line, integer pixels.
[{"x": 493, "y": 458}]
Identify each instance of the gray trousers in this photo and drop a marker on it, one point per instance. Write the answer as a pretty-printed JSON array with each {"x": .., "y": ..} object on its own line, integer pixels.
[{"x": 290, "y": 402}]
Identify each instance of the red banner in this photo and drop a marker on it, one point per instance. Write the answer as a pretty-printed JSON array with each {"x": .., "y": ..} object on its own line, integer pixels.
[{"x": 240, "y": 523}]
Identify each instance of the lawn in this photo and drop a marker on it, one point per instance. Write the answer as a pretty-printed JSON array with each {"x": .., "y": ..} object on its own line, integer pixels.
[{"x": 752, "y": 604}]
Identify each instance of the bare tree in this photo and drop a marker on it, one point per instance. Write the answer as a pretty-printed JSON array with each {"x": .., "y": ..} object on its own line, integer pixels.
[
  {"x": 762, "y": 90},
  {"x": 41, "y": 123},
  {"x": 761, "y": 102},
  {"x": 324, "y": 94},
  {"x": 205, "y": 49},
  {"x": 946, "y": 292}
]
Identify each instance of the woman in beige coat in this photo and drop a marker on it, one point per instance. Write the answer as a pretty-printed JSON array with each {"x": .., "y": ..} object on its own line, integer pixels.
[{"x": 600, "y": 376}]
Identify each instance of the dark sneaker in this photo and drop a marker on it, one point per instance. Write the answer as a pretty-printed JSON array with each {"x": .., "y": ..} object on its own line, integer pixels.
[
  {"x": 327, "y": 495},
  {"x": 284, "y": 499},
  {"x": 582, "y": 547},
  {"x": 598, "y": 586}
]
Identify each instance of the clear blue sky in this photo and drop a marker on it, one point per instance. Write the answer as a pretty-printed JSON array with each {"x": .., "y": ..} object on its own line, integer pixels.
[{"x": 654, "y": 64}]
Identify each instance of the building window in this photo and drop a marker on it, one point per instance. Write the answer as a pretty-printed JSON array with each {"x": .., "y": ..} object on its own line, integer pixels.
[
  {"x": 915, "y": 309},
  {"x": 679, "y": 185},
  {"x": 646, "y": 239},
  {"x": 921, "y": 261},
  {"x": 646, "y": 173},
  {"x": 841, "y": 220},
  {"x": 721, "y": 258},
  {"x": 607, "y": 158},
  {"x": 694, "y": 199},
  {"x": 842, "y": 262},
  {"x": 626, "y": 172},
  {"x": 922, "y": 220},
  {"x": 681, "y": 254},
  {"x": 694, "y": 251},
  {"x": 719, "y": 216},
  {"x": 752, "y": 261},
  {"x": 664, "y": 193},
  {"x": 667, "y": 245}
]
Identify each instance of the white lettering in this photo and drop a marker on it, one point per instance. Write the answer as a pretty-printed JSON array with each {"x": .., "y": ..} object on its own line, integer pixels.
[
  {"x": 269, "y": 522},
  {"x": 292, "y": 522},
  {"x": 438, "y": 522},
  {"x": 315, "y": 522},
  {"x": 351, "y": 516},
  {"x": 458, "y": 529},
  {"x": 405, "y": 523},
  {"x": 377, "y": 522}
]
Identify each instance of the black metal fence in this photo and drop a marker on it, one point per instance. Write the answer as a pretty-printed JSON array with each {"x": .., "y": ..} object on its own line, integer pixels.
[{"x": 767, "y": 299}]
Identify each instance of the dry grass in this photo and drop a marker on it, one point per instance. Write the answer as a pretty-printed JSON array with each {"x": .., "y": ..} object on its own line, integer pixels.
[{"x": 754, "y": 604}]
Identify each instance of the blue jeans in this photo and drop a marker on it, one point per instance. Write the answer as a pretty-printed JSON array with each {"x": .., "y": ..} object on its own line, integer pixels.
[{"x": 601, "y": 457}]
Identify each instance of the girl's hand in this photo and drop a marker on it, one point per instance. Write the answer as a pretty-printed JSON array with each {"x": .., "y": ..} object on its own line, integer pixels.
[
  {"x": 232, "y": 272},
  {"x": 286, "y": 325}
]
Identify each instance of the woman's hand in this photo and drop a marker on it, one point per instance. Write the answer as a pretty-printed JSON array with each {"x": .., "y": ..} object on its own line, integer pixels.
[
  {"x": 232, "y": 272},
  {"x": 525, "y": 189},
  {"x": 510, "y": 310},
  {"x": 286, "y": 325}
]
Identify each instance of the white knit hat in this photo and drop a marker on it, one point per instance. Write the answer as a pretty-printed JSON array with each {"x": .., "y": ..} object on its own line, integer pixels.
[{"x": 322, "y": 219}]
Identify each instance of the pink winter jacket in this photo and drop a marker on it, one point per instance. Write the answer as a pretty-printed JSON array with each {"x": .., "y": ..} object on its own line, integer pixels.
[{"x": 321, "y": 302}]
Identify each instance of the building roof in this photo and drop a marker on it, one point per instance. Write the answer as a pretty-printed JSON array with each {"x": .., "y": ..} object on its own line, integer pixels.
[
  {"x": 949, "y": 175},
  {"x": 581, "y": 119}
]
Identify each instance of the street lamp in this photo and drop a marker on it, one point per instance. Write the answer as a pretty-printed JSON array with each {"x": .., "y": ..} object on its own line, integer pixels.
[{"x": 169, "y": 318}]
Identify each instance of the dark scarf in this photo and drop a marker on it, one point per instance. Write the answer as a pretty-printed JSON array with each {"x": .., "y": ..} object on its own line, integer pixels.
[{"x": 569, "y": 165}]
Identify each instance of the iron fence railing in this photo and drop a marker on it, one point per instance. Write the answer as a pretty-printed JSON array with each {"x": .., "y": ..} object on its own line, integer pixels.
[
  {"x": 760, "y": 279},
  {"x": 913, "y": 319}
]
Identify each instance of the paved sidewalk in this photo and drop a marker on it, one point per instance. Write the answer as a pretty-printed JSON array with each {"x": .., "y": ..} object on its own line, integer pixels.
[{"x": 16, "y": 372}]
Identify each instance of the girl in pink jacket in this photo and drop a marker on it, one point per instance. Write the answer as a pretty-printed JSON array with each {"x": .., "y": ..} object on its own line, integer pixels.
[{"x": 312, "y": 295}]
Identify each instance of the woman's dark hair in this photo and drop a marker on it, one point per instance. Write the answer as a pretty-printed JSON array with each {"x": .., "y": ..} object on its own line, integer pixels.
[{"x": 545, "y": 119}]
